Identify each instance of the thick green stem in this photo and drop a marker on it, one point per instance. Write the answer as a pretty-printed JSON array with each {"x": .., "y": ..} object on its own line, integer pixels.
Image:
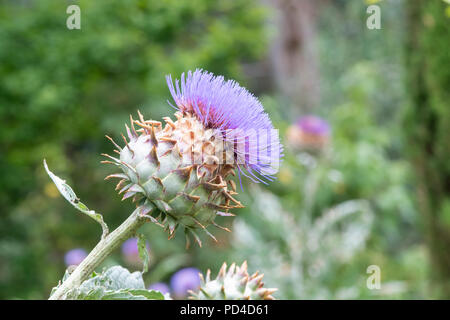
[{"x": 99, "y": 253}]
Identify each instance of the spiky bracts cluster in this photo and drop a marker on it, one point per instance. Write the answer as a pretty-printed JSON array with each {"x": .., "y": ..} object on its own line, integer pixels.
[
  {"x": 173, "y": 174},
  {"x": 233, "y": 284}
]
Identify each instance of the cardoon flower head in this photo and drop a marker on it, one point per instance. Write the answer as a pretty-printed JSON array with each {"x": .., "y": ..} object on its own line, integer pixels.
[
  {"x": 310, "y": 132},
  {"x": 179, "y": 174},
  {"x": 232, "y": 284},
  {"x": 160, "y": 286},
  {"x": 184, "y": 280},
  {"x": 75, "y": 256},
  {"x": 235, "y": 113}
]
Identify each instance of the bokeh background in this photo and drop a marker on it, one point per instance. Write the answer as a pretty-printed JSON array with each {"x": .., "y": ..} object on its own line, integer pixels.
[{"x": 365, "y": 179}]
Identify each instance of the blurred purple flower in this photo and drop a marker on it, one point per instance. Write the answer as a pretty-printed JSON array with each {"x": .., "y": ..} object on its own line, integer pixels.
[
  {"x": 313, "y": 125},
  {"x": 184, "y": 280},
  {"x": 130, "y": 251},
  {"x": 75, "y": 256},
  {"x": 309, "y": 132},
  {"x": 130, "y": 248},
  {"x": 160, "y": 286}
]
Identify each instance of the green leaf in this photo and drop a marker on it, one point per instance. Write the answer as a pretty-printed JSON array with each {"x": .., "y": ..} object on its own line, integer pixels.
[
  {"x": 116, "y": 283},
  {"x": 148, "y": 294},
  {"x": 121, "y": 278},
  {"x": 67, "y": 192},
  {"x": 143, "y": 253},
  {"x": 142, "y": 294},
  {"x": 121, "y": 295}
]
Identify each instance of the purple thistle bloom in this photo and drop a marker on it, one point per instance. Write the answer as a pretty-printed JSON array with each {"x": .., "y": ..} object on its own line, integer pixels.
[
  {"x": 238, "y": 114},
  {"x": 184, "y": 280},
  {"x": 75, "y": 256},
  {"x": 160, "y": 286},
  {"x": 313, "y": 125}
]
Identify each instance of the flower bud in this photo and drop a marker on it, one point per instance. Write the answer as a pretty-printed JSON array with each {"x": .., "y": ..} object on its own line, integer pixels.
[{"x": 232, "y": 284}]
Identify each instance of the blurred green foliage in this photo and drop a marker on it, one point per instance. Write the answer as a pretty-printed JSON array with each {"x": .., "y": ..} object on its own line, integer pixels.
[
  {"x": 63, "y": 90},
  {"x": 427, "y": 127},
  {"x": 358, "y": 178}
]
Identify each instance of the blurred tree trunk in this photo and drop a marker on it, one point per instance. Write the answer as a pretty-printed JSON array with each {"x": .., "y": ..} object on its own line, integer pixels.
[
  {"x": 428, "y": 127},
  {"x": 294, "y": 52}
]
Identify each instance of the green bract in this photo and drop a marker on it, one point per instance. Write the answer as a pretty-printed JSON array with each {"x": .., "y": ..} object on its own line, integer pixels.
[{"x": 234, "y": 284}]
